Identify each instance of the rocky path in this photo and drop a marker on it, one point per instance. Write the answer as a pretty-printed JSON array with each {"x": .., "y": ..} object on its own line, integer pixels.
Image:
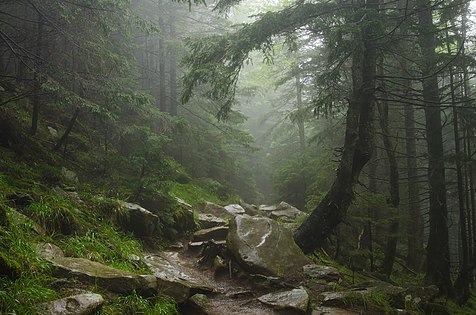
[{"x": 241, "y": 261}]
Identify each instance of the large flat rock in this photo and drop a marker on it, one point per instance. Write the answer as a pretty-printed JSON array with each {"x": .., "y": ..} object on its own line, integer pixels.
[
  {"x": 295, "y": 299},
  {"x": 215, "y": 233},
  {"x": 80, "y": 304},
  {"x": 175, "y": 279},
  {"x": 106, "y": 277},
  {"x": 262, "y": 245}
]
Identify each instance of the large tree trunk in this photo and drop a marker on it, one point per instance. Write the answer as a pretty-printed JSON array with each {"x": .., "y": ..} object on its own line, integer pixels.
[
  {"x": 394, "y": 201},
  {"x": 358, "y": 146},
  {"x": 438, "y": 257}
]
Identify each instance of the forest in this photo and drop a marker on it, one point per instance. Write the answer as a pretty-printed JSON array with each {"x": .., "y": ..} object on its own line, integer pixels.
[{"x": 237, "y": 157}]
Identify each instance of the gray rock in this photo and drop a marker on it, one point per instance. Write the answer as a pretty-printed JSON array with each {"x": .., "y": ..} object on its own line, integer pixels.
[
  {"x": 21, "y": 219},
  {"x": 326, "y": 273},
  {"x": 174, "y": 279},
  {"x": 251, "y": 210},
  {"x": 200, "y": 303},
  {"x": 81, "y": 304},
  {"x": 106, "y": 277},
  {"x": 69, "y": 175},
  {"x": 261, "y": 245},
  {"x": 182, "y": 203},
  {"x": 266, "y": 208},
  {"x": 208, "y": 220},
  {"x": 235, "y": 209},
  {"x": 214, "y": 209},
  {"x": 140, "y": 221},
  {"x": 48, "y": 251},
  {"x": 296, "y": 299},
  {"x": 216, "y": 233}
]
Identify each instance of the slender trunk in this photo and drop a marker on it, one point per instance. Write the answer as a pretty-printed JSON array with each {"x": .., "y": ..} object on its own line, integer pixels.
[
  {"x": 37, "y": 77},
  {"x": 70, "y": 126},
  {"x": 438, "y": 260},
  {"x": 358, "y": 146},
  {"x": 162, "y": 98},
  {"x": 394, "y": 201},
  {"x": 300, "y": 117},
  {"x": 462, "y": 282},
  {"x": 173, "y": 65}
]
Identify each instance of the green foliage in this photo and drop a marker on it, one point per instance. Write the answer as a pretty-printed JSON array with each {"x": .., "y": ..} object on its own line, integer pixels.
[
  {"x": 375, "y": 301},
  {"x": 134, "y": 304},
  {"x": 107, "y": 246},
  {"x": 467, "y": 309},
  {"x": 20, "y": 296},
  {"x": 192, "y": 193},
  {"x": 55, "y": 213},
  {"x": 23, "y": 275},
  {"x": 17, "y": 249}
]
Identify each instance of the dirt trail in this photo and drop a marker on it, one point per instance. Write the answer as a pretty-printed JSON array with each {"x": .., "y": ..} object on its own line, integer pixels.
[{"x": 231, "y": 296}]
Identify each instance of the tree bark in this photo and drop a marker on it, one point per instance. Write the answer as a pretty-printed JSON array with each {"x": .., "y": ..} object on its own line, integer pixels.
[
  {"x": 394, "y": 201},
  {"x": 37, "y": 77},
  {"x": 358, "y": 146},
  {"x": 173, "y": 65},
  {"x": 438, "y": 258}
]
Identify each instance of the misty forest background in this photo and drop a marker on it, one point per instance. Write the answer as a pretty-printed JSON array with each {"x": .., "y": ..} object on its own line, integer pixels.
[{"x": 253, "y": 101}]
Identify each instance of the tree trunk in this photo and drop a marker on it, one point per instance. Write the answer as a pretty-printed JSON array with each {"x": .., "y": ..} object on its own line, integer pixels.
[
  {"x": 462, "y": 282},
  {"x": 173, "y": 65},
  {"x": 70, "y": 126},
  {"x": 37, "y": 77},
  {"x": 394, "y": 201},
  {"x": 358, "y": 146},
  {"x": 438, "y": 258},
  {"x": 162, "y": 97},
  {"x": 300, "y": 117}
]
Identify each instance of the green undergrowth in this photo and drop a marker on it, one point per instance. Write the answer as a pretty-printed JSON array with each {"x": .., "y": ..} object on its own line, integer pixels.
[
  {"x": 373, "y": 302},
  {"x": 193, "y": 193},
  {"x": 468, "y": 309},
  {"x": 108, "y": 246},
  {"x": 20, "y": 296},
  {"x": 134, "y": 304},
  {"x": 24, "y": 277},
  {"x": 349, "y": 277}
]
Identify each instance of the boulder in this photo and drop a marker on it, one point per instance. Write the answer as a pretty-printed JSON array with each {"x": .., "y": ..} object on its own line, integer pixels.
[
  {"x": 266, "y": 208},
  {"x": 69, "y": 175},
  {"x": 184, "y": 220},
  {"x": 183, "y": 203},
  {"x": 21, "y": 219},
  {"x": 140, "y": 221},
  {"x": 216, "y": 210},
  {"x": 296, "y": 299},
  {"x": 251, "y": 210},
  {"x": 317, "y": 272},
  {"x": 81, "y": 304},
  {"x": 173, "y": 279},
  {"x": 106, "y": 277},
  {"x": 216, "y": 233},
  {"x": 235, "y": 209},
  {"x": 208, "y": 220},
  {"x": 261, "y": 245}
]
